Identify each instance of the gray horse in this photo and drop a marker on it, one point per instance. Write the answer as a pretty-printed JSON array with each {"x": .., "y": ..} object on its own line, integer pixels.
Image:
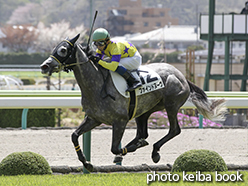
[{"x": 113, "y": 109}]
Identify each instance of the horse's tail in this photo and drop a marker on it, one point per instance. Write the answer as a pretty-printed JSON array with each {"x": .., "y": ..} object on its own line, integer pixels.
[{"x": 211, "y": 109}]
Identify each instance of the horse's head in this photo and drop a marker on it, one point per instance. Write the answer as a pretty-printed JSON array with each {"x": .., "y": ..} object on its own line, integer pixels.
[{"x": 60, "y": 56}]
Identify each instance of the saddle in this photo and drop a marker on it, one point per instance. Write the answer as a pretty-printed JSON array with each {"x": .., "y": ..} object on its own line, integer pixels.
[{"x": 150, "y": 80}]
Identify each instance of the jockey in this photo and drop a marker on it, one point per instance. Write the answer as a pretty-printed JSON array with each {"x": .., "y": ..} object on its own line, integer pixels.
[{"x": 124, "y": 57}]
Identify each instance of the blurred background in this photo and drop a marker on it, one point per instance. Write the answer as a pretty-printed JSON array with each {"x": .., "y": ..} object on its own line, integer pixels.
[{"x": 162, "y": 30}]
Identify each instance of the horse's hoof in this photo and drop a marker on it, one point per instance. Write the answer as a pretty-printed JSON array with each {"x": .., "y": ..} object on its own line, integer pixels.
[
  {"x": 155, "y": 158},
  {"x": 89, "y": 167},
  {"x": 118, "y": 159}
]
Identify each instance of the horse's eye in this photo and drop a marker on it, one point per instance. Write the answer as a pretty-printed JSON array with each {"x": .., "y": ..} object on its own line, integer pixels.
[{"x": 63, "y": 50}]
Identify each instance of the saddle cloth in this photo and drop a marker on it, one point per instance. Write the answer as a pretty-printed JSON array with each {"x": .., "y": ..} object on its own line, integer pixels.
[{"x": 150, "y": 80}]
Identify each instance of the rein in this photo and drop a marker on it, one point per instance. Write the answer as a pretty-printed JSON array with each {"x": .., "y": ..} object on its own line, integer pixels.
[
  {"x": 72, "y": 64},
  {"x": 68, "y": 67}
]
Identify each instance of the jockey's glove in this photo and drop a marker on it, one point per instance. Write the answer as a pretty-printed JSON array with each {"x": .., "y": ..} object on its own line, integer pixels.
[{"x": 94, "y": 59}]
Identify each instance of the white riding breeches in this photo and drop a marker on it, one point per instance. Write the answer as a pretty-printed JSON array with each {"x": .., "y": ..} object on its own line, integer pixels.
[{"x": 131, "y": 63}]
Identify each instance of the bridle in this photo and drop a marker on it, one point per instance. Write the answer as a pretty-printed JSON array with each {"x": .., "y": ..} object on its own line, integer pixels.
[{"x": 71, "y": 56}]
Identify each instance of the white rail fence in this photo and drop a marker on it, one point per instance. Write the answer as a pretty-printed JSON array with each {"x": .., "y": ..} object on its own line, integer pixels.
[
  {"x": 22, "y": 99},
  {"x": 72, "y": 99}
]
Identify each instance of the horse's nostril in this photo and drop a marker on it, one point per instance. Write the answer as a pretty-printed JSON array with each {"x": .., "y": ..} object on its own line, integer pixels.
[{"x": 44, "y": 67}]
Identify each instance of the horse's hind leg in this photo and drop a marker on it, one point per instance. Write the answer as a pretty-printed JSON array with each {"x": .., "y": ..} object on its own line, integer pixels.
[
  {"x": 118, "y": 130},
  {"x": 139, "y": 140},
  {"x": 176, "y": 94},
  {"x": 173, "y": 131},
  {"x": 141, "y": 134}
]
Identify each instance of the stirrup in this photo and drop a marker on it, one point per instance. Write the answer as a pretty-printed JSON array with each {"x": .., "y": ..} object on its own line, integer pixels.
[{"x": 133, "y": 87}]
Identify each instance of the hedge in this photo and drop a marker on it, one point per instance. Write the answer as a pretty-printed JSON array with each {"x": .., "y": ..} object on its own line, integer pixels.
[
  {"x": 35, "y": 118},
  {"x": 20, "y": 58},
  {"x": 28, "y": 163},
  {"x": 199, "y": 160},
  {"x": 28, "y": 81}
]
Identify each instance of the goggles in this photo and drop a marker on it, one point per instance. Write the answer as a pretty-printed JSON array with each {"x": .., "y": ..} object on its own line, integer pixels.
[{"x": 99, "y": 43}]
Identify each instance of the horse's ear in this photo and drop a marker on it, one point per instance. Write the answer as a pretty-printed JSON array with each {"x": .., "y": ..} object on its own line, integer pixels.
[{"x": 73, "y": 40}]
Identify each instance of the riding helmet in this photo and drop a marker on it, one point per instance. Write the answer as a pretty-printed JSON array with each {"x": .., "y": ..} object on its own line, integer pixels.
[{"x": 100, "y": 34}]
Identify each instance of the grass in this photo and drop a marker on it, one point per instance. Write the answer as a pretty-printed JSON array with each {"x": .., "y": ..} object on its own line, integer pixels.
[{"x": 110, "y": 179}]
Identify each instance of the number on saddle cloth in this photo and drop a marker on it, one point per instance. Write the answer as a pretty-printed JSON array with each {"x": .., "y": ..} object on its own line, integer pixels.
[{"x": 150, "y": 80}]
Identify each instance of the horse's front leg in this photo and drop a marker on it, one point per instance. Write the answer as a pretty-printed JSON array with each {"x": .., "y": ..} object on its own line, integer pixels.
[
  {"x": 118, "y": 129},
  {"x": 85, "y": 126}
]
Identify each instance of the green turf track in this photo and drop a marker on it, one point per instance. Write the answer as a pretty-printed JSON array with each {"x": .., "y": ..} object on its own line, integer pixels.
[{"x": 108, "y": 179}]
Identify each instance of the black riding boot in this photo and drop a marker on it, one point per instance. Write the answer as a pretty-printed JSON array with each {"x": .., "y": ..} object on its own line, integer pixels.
[{"x": 132, "y": 82}]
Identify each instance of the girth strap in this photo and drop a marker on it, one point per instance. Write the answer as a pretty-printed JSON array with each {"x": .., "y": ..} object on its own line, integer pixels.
[{"x": 132, "y": 105}]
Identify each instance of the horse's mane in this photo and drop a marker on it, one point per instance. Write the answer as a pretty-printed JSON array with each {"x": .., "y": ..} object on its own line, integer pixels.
[{"x": 102, "y": 71}]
